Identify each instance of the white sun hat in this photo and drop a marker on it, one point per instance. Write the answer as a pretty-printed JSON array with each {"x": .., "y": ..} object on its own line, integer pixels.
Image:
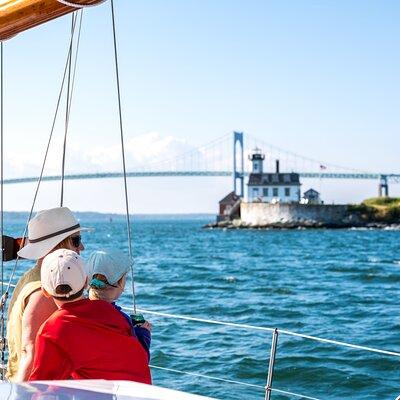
[
  {"x": 63, "y": 267},
  {"x": 47, "y": 229}
]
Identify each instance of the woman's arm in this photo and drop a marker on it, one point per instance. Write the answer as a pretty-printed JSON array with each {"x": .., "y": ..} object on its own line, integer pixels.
[{"x": 38, "y": 309}]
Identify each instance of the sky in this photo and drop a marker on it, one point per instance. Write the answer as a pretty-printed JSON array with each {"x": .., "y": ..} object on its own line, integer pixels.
[{"x": 318, "y": 78}]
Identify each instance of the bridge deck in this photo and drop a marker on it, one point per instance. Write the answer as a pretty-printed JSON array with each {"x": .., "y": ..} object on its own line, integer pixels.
[{"x": 394, "y": 178}]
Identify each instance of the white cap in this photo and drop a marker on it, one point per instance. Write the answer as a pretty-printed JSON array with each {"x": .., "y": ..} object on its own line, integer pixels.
[
  {"x": 63, "y": 267},
  {"x": 112, "y": 264}
]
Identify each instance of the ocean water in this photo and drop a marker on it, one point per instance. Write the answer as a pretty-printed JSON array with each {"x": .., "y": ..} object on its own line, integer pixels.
[{"x": 336, "y": 284}]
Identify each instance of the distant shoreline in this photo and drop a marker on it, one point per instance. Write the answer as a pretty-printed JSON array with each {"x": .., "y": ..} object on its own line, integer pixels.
[
  {"x": 238, "y": 225},
  {"x": 96, "y": 215}
]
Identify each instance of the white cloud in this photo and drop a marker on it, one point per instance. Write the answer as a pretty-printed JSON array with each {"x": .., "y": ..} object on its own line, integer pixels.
[{"x": 140, "y": 152}]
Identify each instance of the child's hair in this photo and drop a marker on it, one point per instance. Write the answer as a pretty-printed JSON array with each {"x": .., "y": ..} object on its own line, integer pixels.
[
  {"x": 97, "y": 278},
  {"x": 65, "y": 289}
]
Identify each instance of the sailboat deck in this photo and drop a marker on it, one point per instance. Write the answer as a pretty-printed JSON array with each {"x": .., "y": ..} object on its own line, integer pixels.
[{"x": 91, "y": 389}]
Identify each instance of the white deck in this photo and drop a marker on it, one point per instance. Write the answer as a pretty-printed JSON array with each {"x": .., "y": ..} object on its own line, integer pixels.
[{"x": 90, "y": 389}]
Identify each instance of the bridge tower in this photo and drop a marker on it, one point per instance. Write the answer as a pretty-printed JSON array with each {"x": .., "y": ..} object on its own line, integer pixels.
[
  {"x": 238, "y": 174},
  {"x": 383, "y": 186}
]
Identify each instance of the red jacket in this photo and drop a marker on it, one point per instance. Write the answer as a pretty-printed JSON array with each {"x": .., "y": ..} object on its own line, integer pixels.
[{"x": 88, "y": 339}]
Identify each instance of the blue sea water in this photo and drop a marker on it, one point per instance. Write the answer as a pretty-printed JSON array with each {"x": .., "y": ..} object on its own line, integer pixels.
[{"x": 336, "y": 284}]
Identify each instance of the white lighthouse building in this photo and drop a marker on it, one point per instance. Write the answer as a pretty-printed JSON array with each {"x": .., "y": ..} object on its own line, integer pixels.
[{"x": 271, "y": 187}]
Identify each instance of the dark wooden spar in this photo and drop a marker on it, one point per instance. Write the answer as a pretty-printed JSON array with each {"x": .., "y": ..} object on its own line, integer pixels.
[{"x": 19, "y": 15}]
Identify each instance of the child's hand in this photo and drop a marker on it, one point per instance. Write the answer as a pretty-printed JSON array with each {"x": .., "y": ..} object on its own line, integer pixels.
[{"x": 147, "y": 325}]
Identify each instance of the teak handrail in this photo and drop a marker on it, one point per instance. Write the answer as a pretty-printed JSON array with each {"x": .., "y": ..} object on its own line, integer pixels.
[{"x": 19, "y": 15}]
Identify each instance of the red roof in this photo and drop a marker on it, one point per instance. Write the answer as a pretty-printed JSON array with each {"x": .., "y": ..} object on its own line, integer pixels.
[{"x": 232, "y": 197}]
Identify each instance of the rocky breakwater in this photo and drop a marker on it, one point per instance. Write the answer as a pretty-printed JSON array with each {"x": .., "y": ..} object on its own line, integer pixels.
[{"x": 294, "y": 215}]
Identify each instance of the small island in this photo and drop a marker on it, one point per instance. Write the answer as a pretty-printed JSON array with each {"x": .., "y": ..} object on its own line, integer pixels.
[
  {"x": 381, "y": 212},
  {"x": 274, "y": 200}
]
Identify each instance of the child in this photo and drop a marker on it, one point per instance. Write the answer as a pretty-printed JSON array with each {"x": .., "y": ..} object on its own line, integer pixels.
[
  {"x": 107, "y": 278},
  {"x": 83, "y": 339}
]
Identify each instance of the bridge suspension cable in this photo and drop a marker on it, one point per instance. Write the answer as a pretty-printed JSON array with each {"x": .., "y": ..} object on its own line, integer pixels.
[
  {"x": 278, "y": 152},
  {"x": 215, "y": 153}
]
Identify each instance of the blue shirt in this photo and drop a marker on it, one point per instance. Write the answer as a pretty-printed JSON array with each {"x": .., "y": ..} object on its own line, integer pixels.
[{"x": 142, "y": 334}]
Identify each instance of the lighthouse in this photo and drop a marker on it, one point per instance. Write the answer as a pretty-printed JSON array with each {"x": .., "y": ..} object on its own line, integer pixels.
[
  {"x": 257, "y": 160},
  {"x": 271, "y": 187}
]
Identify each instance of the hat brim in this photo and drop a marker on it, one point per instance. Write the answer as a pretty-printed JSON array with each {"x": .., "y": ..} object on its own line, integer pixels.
[{"x": 34, "y": 251}]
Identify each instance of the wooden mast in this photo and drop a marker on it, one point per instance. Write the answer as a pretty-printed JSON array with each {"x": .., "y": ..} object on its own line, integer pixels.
[{"x": 19, "y": 15}]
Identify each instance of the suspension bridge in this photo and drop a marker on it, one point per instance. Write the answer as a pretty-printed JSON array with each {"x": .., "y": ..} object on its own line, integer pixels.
[{"x": 226, "y": 158}]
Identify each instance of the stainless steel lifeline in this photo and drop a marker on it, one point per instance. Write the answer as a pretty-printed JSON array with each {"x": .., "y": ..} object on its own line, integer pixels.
[{"x": 275, "y": 333}]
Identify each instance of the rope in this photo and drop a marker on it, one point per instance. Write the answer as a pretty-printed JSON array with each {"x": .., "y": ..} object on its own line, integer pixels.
[
  {"x": 76, "y": 5},
  {"x": 123, "y": 159},
  {"x": 2, "y": 344},
  {"x": 267, "y": 329},
  {"x": 4, "y": 297}
]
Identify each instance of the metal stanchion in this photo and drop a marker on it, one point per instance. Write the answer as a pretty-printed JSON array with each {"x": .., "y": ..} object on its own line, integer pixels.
[{"x": 271, "y": 366}]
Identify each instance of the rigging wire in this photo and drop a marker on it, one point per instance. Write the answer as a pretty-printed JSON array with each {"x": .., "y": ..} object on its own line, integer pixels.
[
  {"x": 70, "y": 89},
  {"x": 76, "y": 56},
  {"x": 123, "y": 158},
  {"x": 5, "y": 295},
  {"x": 73, "y": 21},
  {"x": 3, "y": 347}
]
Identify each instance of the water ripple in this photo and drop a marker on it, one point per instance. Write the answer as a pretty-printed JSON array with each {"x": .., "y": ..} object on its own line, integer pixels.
[{"x": 338, "y": 284}]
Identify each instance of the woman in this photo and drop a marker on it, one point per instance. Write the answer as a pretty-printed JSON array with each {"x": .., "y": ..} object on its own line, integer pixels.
[{"x": 49, "y": 230}]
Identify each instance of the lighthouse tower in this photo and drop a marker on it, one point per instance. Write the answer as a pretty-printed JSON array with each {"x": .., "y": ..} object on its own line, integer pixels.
[{"x": 257, "y": 159}]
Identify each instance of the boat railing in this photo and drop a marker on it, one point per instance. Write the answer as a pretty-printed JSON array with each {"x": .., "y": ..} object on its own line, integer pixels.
[{"x": 268, "y": 388}]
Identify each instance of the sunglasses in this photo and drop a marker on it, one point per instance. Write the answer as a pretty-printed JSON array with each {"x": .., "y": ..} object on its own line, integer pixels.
[{"x": 76, "y": 240}]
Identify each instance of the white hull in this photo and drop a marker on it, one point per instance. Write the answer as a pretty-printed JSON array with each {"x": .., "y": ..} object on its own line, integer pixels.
[{"x": 90, "y": 389}]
